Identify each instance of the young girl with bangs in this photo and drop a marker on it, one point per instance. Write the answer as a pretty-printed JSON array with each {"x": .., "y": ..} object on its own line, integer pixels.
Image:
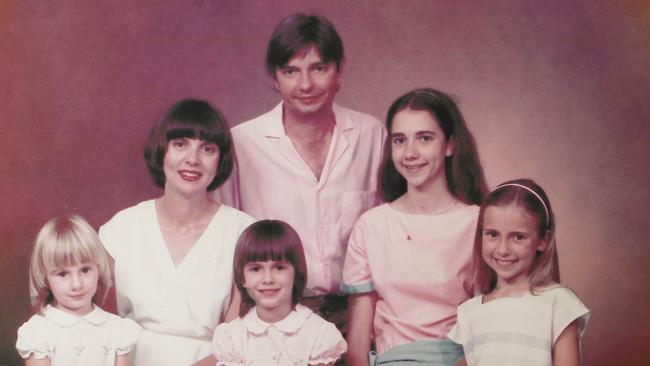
[
  {"x": 408, "y": 263},
  {"x": 273, "y": 328},
  {"x": 69, "y": 273},
  {"x": 524, "y": 316}
]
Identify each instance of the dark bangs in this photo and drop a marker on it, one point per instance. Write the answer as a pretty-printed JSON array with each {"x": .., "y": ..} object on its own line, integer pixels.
[
  {"x": 269, "y": 240},
  {"x": 298, "y": 31},
  {"x": 194, "y": 119}
]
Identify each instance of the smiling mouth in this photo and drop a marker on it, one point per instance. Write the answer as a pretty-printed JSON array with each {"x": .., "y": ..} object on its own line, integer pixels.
[
  {"x": 309, "y": 99},
  {"x": 504, "y": 262},
  {"x": 190, "y": 175},
  {"x": 413, "y": 168},
  {"x": 268, "y": 293}
]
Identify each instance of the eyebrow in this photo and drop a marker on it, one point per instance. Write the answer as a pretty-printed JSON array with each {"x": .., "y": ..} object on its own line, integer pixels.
[{"x": 422, "y": 132}]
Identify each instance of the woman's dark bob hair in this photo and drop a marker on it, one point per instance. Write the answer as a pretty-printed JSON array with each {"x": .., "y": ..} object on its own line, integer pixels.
[
  {"x": 267, "y": 240},
  {"x": 465, "y": 179},
  {"x": 190, "y": 118}
]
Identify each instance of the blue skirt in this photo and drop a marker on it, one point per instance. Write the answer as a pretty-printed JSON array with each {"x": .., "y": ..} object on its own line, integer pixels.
[{"x": 440, "y": 352}]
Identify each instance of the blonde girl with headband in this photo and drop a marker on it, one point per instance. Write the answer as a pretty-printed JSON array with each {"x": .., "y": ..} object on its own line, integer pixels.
[
  {"x": 69, "y": 273},
  {"x": 409, "y": 261},
  {"x": 523, "y": 315}
]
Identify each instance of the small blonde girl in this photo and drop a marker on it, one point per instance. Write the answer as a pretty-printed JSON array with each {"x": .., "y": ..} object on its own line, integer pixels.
[
  {"x": 273, "y": 328},
  {"x": 69, "y": 273},
  {"x": 524, "y": 316}
]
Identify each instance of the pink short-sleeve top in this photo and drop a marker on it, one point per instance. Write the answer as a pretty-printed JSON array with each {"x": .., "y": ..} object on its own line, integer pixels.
[{"x": 419, "y": 265}]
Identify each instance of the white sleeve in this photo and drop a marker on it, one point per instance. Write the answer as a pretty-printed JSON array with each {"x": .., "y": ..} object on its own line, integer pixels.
[
  {"x": 33, "y": 339},
  {"x": 458, "y": 333},
  {"x": 128, "y": 334},
  {"x": 328, "y": 347},
  {"x": 224, "y": 345},
  {"x": 567, "y": 307},
  {"x": 108, "y": 236}
]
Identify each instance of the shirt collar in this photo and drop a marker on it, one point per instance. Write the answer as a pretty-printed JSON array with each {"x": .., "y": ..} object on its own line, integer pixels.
[
  {"x": 290, "y": 324},
  {"x": 275, "y": 128},
  {"x": 96, "y": 317}
]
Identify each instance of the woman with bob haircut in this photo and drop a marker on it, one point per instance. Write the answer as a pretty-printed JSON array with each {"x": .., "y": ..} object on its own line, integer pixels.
[
  {"x": 409, "y": 261},
  {"x": 173, "y": 254}
]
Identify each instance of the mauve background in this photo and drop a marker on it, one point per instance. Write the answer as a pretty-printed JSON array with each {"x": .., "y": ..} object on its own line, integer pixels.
[{"x": 553, "y": 90}]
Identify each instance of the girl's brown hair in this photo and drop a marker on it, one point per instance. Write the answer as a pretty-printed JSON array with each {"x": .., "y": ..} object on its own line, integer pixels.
[
  {"x": 267, "y": 240},
  {"x": 464, "y": 173}
]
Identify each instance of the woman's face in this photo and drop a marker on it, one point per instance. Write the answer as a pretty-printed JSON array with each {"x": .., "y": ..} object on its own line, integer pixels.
[
  {"x": 190, "y": 165},
  {"x": 419, "y": 149}
]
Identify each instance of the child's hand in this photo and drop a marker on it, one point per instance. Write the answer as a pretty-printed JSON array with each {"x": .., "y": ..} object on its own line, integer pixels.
[
  {"x": 31, "y": 361},
  {"x": 461, "y": 362},
  {"x": 208, "y": 361}
]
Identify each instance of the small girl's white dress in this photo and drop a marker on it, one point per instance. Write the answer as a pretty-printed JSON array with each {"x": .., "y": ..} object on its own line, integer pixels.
[
  {"x": 517, "y": 330},
  {"x": 302, "y": 338},
  {"x": 67, "y": 340}
]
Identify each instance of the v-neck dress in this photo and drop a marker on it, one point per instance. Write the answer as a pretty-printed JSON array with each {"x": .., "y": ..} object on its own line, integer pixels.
[{"x": 178, "y": 306}]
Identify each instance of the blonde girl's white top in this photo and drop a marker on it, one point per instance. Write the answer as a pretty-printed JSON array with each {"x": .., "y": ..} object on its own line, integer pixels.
[
  {"x": 517, "y": 330},
  {"x": 178, "y": 307},
  {"x": 302, "y": 338},
  {"x": 69, "y": 340}
]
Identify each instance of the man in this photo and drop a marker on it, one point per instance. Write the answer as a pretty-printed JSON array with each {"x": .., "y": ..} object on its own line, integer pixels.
[{"x": 309, "y": 161}]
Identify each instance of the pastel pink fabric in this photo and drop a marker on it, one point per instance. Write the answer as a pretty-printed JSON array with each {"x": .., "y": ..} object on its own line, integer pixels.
[
  {"x": 419, "y": 265},
  {"x": 272, "y": 181},
  {"x": 302, "y": 338}
]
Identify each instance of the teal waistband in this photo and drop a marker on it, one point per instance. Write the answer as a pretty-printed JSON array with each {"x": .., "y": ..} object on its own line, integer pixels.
[{"x": 438, "y": 352}]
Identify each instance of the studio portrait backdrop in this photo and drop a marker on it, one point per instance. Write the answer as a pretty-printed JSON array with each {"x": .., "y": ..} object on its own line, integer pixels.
[{"x": 553, "y": 90}]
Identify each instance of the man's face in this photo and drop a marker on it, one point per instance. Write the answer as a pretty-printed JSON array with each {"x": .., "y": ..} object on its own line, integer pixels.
[{"x": 307, "y": 84}]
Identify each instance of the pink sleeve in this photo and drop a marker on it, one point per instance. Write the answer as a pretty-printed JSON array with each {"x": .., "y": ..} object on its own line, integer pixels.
[{"x": 356, "y": 271}]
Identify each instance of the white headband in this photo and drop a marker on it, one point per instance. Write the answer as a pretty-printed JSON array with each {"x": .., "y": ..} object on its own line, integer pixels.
[{"x": 548, "y": 218}]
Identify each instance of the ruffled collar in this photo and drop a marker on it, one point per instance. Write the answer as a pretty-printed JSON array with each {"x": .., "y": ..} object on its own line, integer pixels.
[
  {"x": 292, "y": 323},
  {"x": 64, "y": 319}
]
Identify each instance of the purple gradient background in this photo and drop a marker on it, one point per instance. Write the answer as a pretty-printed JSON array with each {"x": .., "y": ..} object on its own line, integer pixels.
[{"x": 554, "y": 90}]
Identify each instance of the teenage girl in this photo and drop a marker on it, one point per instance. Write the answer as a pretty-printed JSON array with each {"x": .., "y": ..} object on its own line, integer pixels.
[
  {"x": 69, "y": 272},
  {"x": 524, "y": 316},
  {"x": 273, "y": 328},
  {"x": 409, "y": 261}
]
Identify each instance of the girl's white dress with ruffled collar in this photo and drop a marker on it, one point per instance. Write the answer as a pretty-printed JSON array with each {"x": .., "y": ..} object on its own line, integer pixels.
[
  {"x": 302, "y": 338},
  {"x": 69, "y": 340}
]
